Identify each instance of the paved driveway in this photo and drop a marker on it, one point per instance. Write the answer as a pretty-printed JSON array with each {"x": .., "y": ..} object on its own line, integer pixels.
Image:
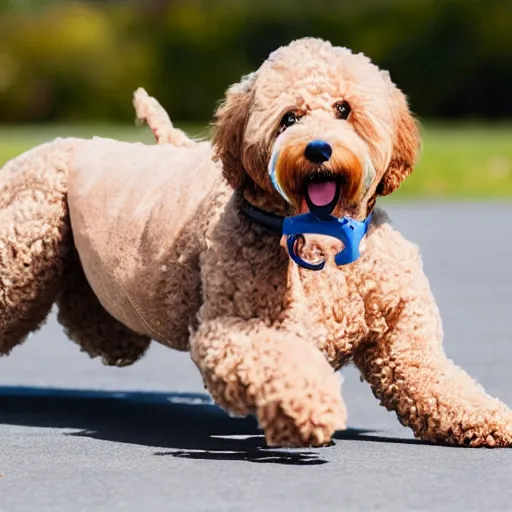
[{"x": 77, "y": 436}]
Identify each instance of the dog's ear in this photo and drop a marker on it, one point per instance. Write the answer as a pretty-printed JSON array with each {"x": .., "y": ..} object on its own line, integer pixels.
[
  {"x": 406, "y": 145},
  {"x": 229, "y": 127}
]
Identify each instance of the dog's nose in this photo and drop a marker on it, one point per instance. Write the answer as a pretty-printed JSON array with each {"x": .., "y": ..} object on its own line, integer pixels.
[{"x": 318, "y": 151}]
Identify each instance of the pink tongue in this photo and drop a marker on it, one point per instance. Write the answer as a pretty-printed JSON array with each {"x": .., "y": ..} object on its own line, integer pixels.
[{"x": 322, "y": 194}]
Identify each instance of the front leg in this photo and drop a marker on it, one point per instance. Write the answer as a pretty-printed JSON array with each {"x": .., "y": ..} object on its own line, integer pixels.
[
  {"x": 287, "y": 382},
  {"x": 410, "y": 374}
]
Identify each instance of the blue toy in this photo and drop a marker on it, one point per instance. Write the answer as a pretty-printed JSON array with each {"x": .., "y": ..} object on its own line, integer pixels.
[{"x": 348, "y": 230}]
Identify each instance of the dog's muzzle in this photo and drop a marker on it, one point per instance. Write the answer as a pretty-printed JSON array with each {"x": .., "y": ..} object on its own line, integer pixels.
[{"x": 321, "y": 197}]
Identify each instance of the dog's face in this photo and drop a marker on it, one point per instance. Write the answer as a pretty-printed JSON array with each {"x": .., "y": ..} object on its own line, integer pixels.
[{"x": 319, "y": 127}]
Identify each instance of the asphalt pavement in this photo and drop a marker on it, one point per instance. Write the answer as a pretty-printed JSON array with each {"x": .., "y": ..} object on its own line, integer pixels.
[{"x": 78, "y": 436}]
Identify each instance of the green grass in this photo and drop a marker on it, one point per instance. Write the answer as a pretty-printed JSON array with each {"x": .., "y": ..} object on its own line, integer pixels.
[
  {"x": 458, "y": 161},
  {"x": 16, "y": 139},
  {"x": 463, "y": 161}
]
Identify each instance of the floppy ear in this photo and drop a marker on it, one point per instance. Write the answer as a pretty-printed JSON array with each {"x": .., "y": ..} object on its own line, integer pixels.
[
  {"x": 406, "y": 145},
  {"x": 229, "y": 127}
]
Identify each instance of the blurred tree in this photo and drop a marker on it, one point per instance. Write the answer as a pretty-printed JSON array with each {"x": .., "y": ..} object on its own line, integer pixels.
[{"x": 82, "y": 59}]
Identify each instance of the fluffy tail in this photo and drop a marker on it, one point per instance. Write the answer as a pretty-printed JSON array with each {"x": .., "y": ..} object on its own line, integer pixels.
[{"x": 149, "y": 110}]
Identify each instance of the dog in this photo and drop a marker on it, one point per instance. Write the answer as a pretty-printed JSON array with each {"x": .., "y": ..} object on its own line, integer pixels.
[{"x": 260, "y": 251}]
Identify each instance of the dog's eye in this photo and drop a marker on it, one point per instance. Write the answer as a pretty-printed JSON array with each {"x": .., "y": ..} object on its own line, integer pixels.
[
  {"x": 288, "y": 119},
  {"x": 342, "y": 110}
]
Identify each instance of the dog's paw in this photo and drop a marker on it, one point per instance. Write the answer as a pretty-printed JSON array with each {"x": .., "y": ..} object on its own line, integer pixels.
[
  {"x": 494, "y": 431},
  {"x": 302, "y": 421}
]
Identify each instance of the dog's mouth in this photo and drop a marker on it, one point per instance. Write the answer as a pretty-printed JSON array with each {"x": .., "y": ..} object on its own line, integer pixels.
[
  {"x": 329, "y": 188},
  {"x": 321, "y": 193}
]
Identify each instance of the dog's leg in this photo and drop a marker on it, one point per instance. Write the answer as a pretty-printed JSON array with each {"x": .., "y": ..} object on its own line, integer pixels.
[
  {"x": 289, "y": 385},
  {"x": 87, "y": 322},
  {"x": 34, "y": 239},
  {"x": 410, "y": 374}
]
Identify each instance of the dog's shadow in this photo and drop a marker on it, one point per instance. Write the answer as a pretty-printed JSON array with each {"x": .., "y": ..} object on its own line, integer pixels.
[{"x": 185, "y": 425}]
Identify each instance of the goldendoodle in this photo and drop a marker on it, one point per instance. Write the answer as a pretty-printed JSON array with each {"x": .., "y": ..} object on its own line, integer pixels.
[{"x": 261, "y": 252}]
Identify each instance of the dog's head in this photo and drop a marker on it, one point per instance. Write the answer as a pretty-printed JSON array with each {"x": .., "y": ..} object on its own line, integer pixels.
[{"x": 317, "y": 126}]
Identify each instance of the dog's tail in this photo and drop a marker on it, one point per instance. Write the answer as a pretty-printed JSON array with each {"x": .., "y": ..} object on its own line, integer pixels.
[{"x": 149, "y": 110}]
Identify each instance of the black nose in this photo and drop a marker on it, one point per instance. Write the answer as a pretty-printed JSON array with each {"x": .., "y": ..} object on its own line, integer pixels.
[{"x": 318, "y": 151}]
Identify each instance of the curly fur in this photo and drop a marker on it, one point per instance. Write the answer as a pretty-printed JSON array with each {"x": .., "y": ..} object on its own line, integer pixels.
[
  {"x": 89, "y": 324},
  {"x": 141, "y": 242},
  {"x": 34, "y": 239}
]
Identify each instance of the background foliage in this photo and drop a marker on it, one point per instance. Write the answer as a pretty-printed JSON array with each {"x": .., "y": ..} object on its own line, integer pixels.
[
  {"x": 69, "y": 67},
  {"x": 69, "y": 60}
]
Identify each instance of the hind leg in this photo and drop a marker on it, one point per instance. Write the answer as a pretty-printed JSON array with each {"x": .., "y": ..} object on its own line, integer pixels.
[
  {"x": 34, "y": 239},
  {"x": 86, "y": 322}
]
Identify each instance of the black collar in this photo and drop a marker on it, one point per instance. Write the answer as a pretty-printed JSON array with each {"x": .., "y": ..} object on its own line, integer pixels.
[{"x": 267, "y": 220}]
